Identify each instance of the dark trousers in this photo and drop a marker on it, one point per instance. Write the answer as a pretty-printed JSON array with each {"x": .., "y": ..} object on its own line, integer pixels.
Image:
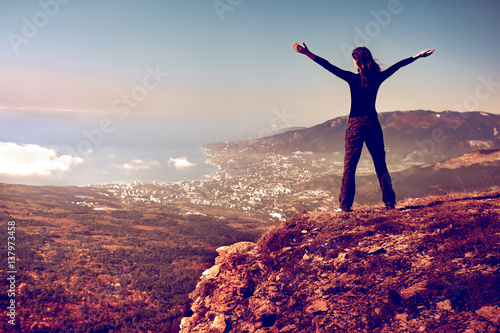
[{"x": 364, "y": 130}]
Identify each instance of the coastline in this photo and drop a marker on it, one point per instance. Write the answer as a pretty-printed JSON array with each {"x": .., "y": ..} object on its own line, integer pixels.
[{"x": 210, "y": 159}]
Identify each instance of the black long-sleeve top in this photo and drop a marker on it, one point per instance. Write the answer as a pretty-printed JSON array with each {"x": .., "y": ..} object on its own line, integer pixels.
[{"x": 362, "y": 98}]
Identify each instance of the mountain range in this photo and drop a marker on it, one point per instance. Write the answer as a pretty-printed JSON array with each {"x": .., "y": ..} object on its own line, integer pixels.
[{"x": 415, "y": 136}]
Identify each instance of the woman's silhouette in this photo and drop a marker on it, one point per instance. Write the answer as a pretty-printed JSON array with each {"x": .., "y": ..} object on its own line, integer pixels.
[{"x": 363, "y": 126}]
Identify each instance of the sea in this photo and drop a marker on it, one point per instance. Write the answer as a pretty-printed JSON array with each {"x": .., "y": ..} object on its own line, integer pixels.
[{"x": 140, "y": 149}]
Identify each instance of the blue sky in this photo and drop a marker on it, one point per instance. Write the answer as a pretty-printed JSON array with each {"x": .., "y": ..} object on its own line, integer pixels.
[{"x": 90, "y": 83}]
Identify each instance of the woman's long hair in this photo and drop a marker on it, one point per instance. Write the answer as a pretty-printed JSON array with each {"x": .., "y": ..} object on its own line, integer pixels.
[{"x": 368, "y": 68}]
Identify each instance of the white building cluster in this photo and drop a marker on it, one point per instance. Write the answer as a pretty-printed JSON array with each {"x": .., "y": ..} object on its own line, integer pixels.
[{"x": 253, "y": 185}]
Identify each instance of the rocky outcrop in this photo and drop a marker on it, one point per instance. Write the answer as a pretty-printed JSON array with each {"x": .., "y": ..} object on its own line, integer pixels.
[
  {"x": 431, "y": 265},
  {"x": 228, "y": 289}
]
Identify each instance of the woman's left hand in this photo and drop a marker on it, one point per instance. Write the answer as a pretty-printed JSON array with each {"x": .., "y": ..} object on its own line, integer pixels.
[{"x": 301, "y": 48}]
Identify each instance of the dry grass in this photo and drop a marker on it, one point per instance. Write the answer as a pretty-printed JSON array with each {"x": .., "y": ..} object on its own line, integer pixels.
[{"x": 381, "y": 264}]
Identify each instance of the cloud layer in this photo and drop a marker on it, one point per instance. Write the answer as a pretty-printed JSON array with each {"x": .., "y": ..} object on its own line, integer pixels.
[
  {"x": 180, "y": 163},
  {"x": 29, "y": 160},
  {"x": 138, "y": 164}
]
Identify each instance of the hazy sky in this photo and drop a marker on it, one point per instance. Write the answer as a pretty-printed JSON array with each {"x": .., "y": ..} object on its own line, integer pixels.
[{"x": 92, "y": 80}]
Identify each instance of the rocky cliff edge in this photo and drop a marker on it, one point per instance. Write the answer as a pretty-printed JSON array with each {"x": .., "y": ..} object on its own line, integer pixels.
[{"x": 431, "y": 265}]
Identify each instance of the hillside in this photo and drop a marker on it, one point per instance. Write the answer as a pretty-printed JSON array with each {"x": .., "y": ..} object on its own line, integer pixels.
[
  {"x": 114, "y": 267},
  {"x": 472, "y": 172},
  {"x": 431, "y": 265},
  {"x": 420, "y": 136}
]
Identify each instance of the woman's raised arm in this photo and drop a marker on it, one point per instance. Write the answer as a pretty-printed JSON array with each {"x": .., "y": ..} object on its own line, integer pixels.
[
  {"x": 391, "y": 70},
  {"x": 322, "y": 62}
]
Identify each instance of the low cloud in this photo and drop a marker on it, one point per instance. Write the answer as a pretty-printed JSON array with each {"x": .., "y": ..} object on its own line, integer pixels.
[
  {"x": 180, "y": 163},
  {"x": 33, "y": 160},
  {"x": 137, "y": 164}
]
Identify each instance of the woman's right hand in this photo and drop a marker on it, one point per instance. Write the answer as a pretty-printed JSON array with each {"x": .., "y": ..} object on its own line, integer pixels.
[{"x": 424, "y": 54}]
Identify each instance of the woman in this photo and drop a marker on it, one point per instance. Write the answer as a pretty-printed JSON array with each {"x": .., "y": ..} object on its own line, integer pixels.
[{"x": 363, "y": 126}]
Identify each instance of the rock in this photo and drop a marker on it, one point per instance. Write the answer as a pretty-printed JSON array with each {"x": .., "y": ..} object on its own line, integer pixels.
[
  {"x": 219, "y": 323},
  {"x": 241, "y": 247},
  {"x": 444, "y": 305},
  {"x": 212, "y": 272},
  {"x": 491, "y": 313},
  {"x": 317, "y": 306},
  {"x": 341, "y": 258},
  {"x": 402, "y": 316},
  {"x": 262, "y": 308},
  {"x": 197, "y": 304},
  {"x": 478, "y": 326},
  {"x": 377, "y": 250},
  {"x": 469, "y": 255},
  {"x": 185, "y": 322},
  {"x": 413, "y": 289}
]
